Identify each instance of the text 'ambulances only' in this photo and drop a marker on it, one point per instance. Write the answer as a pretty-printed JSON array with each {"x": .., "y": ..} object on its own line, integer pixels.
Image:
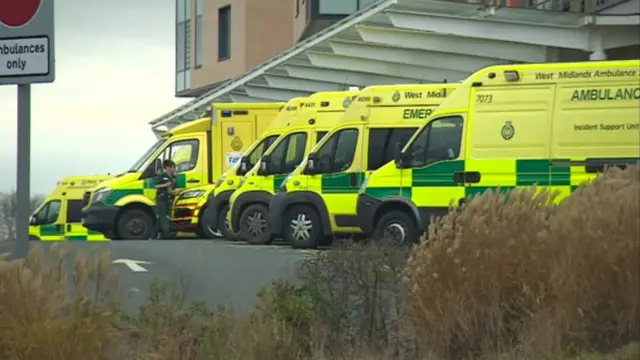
[{"x": 24, "y": 56}]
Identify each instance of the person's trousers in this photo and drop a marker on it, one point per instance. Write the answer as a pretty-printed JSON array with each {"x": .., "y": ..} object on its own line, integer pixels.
[{"x": 163, "y": 220}]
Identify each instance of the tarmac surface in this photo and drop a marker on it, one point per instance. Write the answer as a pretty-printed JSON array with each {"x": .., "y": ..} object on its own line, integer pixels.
[{"x": 218, "y": 272}]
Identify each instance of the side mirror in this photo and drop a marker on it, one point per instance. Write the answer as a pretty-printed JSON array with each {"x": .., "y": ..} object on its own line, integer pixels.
[
  {"x": 32, "y": 220},
  {"x": 312, "y": 164},
  {"x": 265, "y": 165},
  {"x": 397, "y": 151},
  {"x": 244, "y": 165},
  {"x": 401, "y": 159}
]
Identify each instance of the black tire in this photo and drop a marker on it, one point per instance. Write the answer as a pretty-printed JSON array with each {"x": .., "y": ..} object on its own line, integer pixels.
[
  {"x": 33, "y": 238},
  {"x": 302, "y": 215},
  {"x": 397, "y": 228},
  {"x": 205, "y": 230},
  {"x": 135, "y": 224},
  {"x": 253, "y": 225},
  {"x": 223, "y": 225}
]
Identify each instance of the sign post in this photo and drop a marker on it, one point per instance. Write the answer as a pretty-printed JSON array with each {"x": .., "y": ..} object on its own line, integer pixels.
[{"x": 26, "y": 57}]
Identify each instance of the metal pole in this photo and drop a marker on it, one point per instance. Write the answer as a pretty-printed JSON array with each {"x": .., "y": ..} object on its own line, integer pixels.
[{"x": 23, "y": 184}]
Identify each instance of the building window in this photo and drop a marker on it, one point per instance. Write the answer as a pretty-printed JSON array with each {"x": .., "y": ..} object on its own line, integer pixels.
[
  {"x": 183, "y": 44},
  {"x": 338, "y": 7},
  {"x": 198, "y": 40},
  {"x": 224, "y": 33}
]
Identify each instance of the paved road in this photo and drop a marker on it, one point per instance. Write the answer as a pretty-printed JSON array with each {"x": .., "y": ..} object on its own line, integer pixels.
[{"x": 215, "y": 271}]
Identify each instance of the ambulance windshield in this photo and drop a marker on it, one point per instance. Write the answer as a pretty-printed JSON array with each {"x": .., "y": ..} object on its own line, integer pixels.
[{"x": 143, "y": 160}]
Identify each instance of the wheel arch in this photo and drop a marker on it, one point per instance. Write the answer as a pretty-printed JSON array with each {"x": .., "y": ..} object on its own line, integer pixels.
[
  {"x": 133, "y": 206},
  {"x": 314, "y": 201},
  {"x": 247, "y": 199},
  {"x": 399, "y": 204}
]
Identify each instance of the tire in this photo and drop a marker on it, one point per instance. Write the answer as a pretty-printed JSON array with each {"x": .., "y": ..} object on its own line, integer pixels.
[
  {"x": 135, "y": 224},
  {"x": 205, "y": 230},
  {"x": 253, "y": 225},
  {"x": 397, "y": 228},
  {"x": 301, "y": 218},
  {"x": 225, "y": 230}
]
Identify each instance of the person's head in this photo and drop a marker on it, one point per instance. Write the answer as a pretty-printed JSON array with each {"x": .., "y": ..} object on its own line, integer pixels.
[{"x": 169, "y": 167}]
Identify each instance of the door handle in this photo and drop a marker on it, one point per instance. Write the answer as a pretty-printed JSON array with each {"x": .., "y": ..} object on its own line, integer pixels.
[
  {"x": 68, "y": 227},
  {"x": 353, "y": 179},
  {"x": 466, "y": 177},
  {"x": 192, "y": 181}
]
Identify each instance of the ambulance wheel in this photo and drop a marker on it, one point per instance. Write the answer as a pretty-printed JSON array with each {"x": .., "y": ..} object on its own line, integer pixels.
[
  {"x": 135, "y": 224},
  {"x": 397, "y": 228},
  {"x": 205, "y": 231},
  {"x": 302, "y": 228},
  {"x": 223, "y": 223},
  {"x": 253, "y": 225}
]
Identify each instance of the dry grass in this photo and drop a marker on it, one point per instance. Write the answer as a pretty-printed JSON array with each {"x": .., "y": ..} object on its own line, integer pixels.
[
  {"x": 507, "y": 278},
  {"x": 513, "y": 274}
]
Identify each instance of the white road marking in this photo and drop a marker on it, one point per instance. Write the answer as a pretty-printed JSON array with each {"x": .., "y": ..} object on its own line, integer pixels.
[{"x": 133, "y": 265}]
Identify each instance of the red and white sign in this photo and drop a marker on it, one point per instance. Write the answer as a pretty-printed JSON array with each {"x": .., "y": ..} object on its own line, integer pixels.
[
  {"x": 27, "y": 42},
  {"x": 18, "y": 13}
]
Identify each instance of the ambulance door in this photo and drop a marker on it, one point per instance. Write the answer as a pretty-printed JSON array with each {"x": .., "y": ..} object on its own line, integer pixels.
[
  {"x": 238, "y": 134},
  {"x": 339, "y": 160},
  {"x": 262, "y": 123},
  {"x": 190, "y": 158},
  {"x": 46, "y": 222}
]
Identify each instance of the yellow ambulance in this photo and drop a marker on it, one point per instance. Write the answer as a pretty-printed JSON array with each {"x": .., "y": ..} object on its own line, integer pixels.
[
  {"x": 554, "y": 125},
  {"x": 249, "y": 204},
  {"x": 203, "y": 209},
  {"x": 123, "y": 207},
  {"x": 319, "y": 199},
  {"x": 58, "y": 218}
]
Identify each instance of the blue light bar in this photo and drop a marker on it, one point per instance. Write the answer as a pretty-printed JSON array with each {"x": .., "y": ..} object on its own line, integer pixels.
[{"x": 226, "y": 113}]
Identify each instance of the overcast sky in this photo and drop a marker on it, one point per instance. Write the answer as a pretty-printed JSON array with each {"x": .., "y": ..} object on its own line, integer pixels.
[{"x": 114, "y": 74}]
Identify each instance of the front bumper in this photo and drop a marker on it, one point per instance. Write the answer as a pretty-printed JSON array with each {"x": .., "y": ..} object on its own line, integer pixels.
[
  {"x": 100, "y": 217},
  {"x": 366, "y": 208},
  {"x": 185, "y": 217},
  {"x": 276, "y": 208}
]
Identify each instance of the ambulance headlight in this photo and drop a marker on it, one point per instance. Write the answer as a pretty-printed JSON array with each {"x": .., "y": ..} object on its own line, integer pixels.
[
  {"x": 363, "y": 186},
  {"x": 101, "y": 195},
  {"x": 191, "y": 194}
]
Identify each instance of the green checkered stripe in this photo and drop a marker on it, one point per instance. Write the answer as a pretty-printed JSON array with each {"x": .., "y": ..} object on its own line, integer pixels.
[
  {"x": 340, "y": 183},
  {"x": 52, "y": 230},
  {"x": 147, "y": 185},
  {"x": 528, "y": 173}
]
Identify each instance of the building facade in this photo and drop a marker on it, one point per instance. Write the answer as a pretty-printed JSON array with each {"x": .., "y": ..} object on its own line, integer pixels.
[{"x": 217, "y": 40}]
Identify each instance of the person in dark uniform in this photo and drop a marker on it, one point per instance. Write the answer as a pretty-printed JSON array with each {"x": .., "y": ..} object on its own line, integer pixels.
[{"x": 166, "y": 190}]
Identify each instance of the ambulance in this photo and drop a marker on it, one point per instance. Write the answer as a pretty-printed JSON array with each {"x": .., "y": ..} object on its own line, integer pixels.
[
  {"x": 124, "y": 207},
  {"x": 59, "y": 217},
  {"x": 555, "y": 125},
  {"x": 203, "y": 209},
  {"x": 318, "y": 200},
  {"x": 249, "y": 204}
]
